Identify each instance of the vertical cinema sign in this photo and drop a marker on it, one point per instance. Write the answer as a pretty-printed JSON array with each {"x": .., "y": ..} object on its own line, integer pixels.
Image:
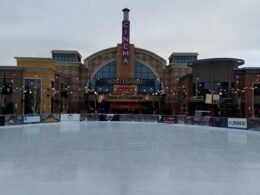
[{"x": 125, "y": 37}]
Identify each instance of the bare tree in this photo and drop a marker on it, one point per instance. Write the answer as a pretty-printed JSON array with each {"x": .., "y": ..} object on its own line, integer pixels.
[{"x": 32, "y": 96}]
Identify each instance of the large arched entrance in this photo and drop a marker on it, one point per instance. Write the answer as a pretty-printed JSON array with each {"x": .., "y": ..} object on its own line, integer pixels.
[{"x": 109, "y": 94}]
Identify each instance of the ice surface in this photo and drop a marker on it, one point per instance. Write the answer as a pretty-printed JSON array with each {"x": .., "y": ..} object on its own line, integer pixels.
[{"x": 116, "y": 158}]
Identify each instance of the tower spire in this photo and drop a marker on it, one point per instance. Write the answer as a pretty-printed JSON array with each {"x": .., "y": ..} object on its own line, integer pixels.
[
  {"x": 125, "y": 36},
  {"x": 126, "y": 14}
]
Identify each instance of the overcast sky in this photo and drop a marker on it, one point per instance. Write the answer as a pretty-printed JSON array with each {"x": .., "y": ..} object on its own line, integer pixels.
[{"x": 213, "y": 28}]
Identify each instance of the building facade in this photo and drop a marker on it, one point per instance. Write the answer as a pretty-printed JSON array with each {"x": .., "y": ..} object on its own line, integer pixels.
[
  {"x": 247, "y": 84},
  {"x": 121, "y": 79},
  {"x": 126, "y": 79},
  {"x": 212, "y": 80}
]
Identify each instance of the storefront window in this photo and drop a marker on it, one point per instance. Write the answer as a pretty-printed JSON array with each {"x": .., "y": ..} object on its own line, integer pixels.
[
  {"x": 257, "y": 89},
  {"x": 6, "y": 89},
  {"x": 32, "y": 96}
]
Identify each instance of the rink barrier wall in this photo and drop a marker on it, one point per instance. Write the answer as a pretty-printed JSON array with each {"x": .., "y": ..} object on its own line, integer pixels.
[
  {"x": 69, "y": 117},
  {"x": 2, "y": 120},
  {"x": 252, "y": 123}
]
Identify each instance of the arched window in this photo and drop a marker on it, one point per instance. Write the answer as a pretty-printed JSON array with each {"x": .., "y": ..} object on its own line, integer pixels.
[
  {"x": 99, "y": 82},
  {"x": 150, "y": 83}
]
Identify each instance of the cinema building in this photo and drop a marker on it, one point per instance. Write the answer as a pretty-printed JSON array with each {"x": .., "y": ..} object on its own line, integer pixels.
[{"x": 122, "y": 79}]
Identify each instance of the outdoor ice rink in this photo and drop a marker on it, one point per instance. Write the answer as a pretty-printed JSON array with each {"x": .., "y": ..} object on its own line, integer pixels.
[{"x": 128, "y": 158}]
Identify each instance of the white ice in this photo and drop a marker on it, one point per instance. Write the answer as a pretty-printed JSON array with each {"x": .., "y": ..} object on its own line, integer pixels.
[{"x": 120, "y": 158}]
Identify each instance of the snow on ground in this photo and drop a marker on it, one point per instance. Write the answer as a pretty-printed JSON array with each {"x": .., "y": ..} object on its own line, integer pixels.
[{"x": 127, "y": 158}]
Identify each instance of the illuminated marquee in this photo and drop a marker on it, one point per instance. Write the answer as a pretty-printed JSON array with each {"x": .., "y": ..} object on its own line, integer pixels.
[
  {"x": 126, "y": 89},
  {"x": 125, "y": 42}
]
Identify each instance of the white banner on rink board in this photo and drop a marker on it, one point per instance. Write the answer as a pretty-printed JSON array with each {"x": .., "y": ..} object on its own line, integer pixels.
[
  {"x": 70, "y": 117},
  {"x": 240, "y": 123},
  {"x": 32, "y": 119}
]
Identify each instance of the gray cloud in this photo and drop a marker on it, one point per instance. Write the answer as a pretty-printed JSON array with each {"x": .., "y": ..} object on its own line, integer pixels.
[{"x": 216, "y": 28}]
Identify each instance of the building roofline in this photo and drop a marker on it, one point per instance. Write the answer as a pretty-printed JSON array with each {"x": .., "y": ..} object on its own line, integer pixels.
[
  {"x": 92, "y": 56},
  {"x": 35, "y": 59},
  {"x": 184, "y": 54},
  {"x": 248, "y": 70},
  {"x": 66, "y": 52},
  {"x": 239, "y": 61},
  {"x": 114, "y": 49},
  {"x": 152, "y": 54}
]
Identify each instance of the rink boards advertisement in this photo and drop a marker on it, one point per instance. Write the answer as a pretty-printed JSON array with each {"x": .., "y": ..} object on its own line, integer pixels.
[
  {"x": 32, "y": 119},
  {"x": 70, "y": 117},
  {"x": 238, "y": 123}
]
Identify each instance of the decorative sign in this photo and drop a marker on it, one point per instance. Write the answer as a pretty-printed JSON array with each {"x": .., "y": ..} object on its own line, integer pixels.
[
  {"x": 240, "y": 123},
  {"x": 125, "y": 81},
  {"x": 32, "y": 119},
  {"x": 70, "y": 117},
  {"x": 125, "y": 89},
  {"x": 208, "y": 98},
  {"x": 125, "y": 42}
]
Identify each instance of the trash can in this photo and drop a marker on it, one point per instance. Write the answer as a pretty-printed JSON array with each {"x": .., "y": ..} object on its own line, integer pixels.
[{"x": 2, "y": 120}]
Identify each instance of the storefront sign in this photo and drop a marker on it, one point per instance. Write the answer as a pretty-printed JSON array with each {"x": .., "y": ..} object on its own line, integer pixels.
[
  {"x": 32, "y": 119},
  {"x": 125, "y": 81},
  {"x": 208, "y": 98},
  {"x": 70, "y": 117},
  {"x": 126, "y": 89},
  {"x": 240, "y": 123},
  {"x": 125, "y": 42}
]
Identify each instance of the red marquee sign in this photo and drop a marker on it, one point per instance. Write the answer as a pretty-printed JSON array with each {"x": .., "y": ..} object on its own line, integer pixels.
[{"x": 126, "y": 89}]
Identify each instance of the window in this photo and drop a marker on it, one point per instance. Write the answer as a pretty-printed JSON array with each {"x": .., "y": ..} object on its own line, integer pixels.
[
  {"x": 184, "y": 59},
  {"x": 32, "y": 96},
  {"x": 6, "y": 89},
  {"x": 61, "y": 86},
  {"x": 65, "y": 57},
  {"x": 207, "y": 88},
  {"x": 257, "y": 89},
  {"x": 52, "y": 84},
  {"x": 99, "y": 83},
  {"x": 200, "y": 89},
  {"x": 150, "y": 83},
  {"x": 6, "y": 85}
]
